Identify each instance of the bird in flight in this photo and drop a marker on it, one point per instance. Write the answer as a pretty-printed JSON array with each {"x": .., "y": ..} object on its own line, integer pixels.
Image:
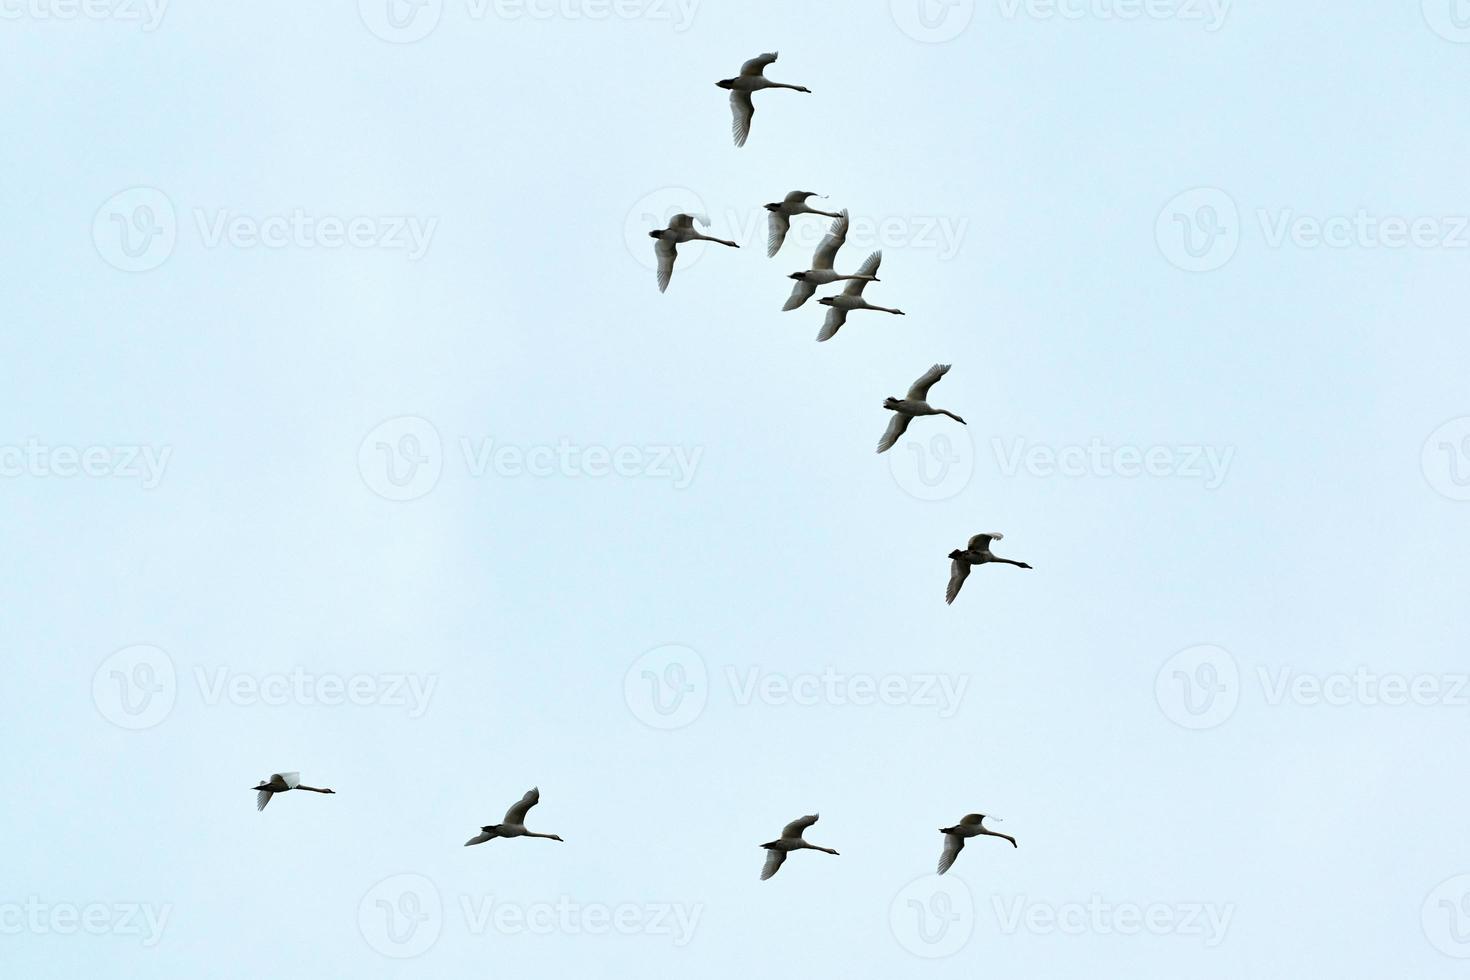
[
  {"x": 752, "y": 78},
  {"x": 281, "y": 782},
  {"x": 851, "y": 298},
  {"x": 821, "y": 273},
  {"x": 514, "y": 824},
  {"x": 782, "y": 213},
  {"x": 977, "y": 552},
  {"x": 905, "y": 409},
  {"x": 790, "y": 840},
  {"x": 971, "y": 825},
  {"x": 681, "y": 229}
]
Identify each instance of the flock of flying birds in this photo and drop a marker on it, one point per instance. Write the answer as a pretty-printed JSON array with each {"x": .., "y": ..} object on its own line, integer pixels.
[{"x": 823, "y": 272}]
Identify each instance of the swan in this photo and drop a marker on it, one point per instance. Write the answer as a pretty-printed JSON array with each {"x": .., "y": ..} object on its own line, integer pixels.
[
  {"x": 782, "y": 213},
  {"x": 281, "y": 782},
  {"x": 515, "y": 821},
  {"x": 954, "y": 837},
  {"x": 821, "y": 273},
  {"x": 851, "y": 298},
  {"x": 904, "y": 409},
  {"x": 790, "y": 840},
  {"x": 977, "y": 552},
  {"x": 752, "y": 78},
  {"x": 680, "y": 229}
]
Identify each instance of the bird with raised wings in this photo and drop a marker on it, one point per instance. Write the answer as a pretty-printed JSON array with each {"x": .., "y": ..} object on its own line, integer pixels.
[
  {"x": 977, "y": 552},
  {"x": 514, "y": 824},
  {"x": 790, "y": 840},
  {"x": 851, "y": 298},
  {"x": 752, "y": 78},
  {"x": 822, "y": 273},
  {"x": 681, "y": 229},
  {"x": 781, "y": 214},
  {"x": 914, "y": 404},
  {"x": 281, "y": 782},
  {"x": 971, "y": 825}
]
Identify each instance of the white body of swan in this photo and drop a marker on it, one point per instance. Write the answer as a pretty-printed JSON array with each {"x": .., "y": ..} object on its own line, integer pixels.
[
  {"x": 514, "y": 824},
  {"x": 782, "y": 213},
  {"x": 752, "y": 78},
  {"x": 281, "y": 782},
  {"x": 681, "y": 229},
  {"x": 977, "y": 552},
  {"x": 790, "y": 840},
  {"x": 906, "y": 409},
  {"x": 822, "y": 272},
  {"x": 971, "y": 825},
  {"x": 851, "y": 298}
]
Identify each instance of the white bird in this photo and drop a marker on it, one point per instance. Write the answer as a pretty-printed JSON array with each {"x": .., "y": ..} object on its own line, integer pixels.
[
  {"x": 281, "y": 782},
  {"x": 821, "y": 273},
  {"x": 752, "y": 78},
  {"x": 681, "y": 229},
  {"x": 977, "y": 552},
  {"x": 954, "y": 837},
  {"x": 905, "y": 409},
  {"x": 790, "y": 840},
  {"x": 782, "y": 213},
  {"x": 515, "y": 822},
  {"x": 851, "y": 298}
]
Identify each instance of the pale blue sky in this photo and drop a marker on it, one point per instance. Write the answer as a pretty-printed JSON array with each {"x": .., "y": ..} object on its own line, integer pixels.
[{"x": 1304, "y": 406}]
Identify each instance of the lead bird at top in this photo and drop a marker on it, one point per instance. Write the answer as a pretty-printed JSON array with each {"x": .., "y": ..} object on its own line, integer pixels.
[{"x": 752, "y": 78}]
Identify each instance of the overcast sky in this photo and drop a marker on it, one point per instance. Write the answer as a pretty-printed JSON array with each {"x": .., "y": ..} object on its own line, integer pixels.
[{"x": 346, "y": 432}]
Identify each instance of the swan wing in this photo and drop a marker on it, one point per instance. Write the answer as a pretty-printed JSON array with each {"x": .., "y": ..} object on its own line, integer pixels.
[
  {"x": 757, "y": 65},
  {"x": 780, "y": 225},
  {"x": 666, "y": 252},
  {"x": 953, "y": 844},
  {"x": 479, "y": 838},
  {"x": 262, "y": 798},
  {"x": 869, "y": 268},
  {"x": 981, "y": 542},
  {"x": 958, "y": 572},
  {"x": 920, "y": 389},
  {"x": 742, "y": 111},
  {"x": 795, "y": 827},
  {"x": 517, "y": 813},
  {"x": 831, "y": 242},
  {"x": 802, "y": 292},
  {"x": 799, "y": 197},
  {"x": 774, "y": 858},
  {"x": 836, "y": 317},
  {"x": 897, "y": 426}
]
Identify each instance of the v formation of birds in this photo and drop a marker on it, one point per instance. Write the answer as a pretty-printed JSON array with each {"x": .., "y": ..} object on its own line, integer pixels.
[{"x": 683, "y": 228}]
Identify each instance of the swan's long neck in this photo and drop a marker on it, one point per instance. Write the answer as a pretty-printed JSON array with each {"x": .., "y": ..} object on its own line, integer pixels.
[
  {"x": 531, "y": 833},
  {"x": 313, "y": 789}
]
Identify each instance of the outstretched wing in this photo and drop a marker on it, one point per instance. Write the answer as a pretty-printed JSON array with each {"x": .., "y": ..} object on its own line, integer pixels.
[
  {"x": 953, "y": 844},
  {"x": 836, "y": 317},
  {"x": 897, "y": 426},
  {"x": 742, "y": 111},
  {"x": 981, "y": 542},
  {"x": 958, "y": 572},
  {"x": 757, "y": 65},
  {"x": 799, "y": 197},
  {"x": 920, "y": 389},
  {"x": 480, "y": 838},
  {"x": 666, "y": 252},
  {"x": 802, "y": 292},
  {"x": 685, "y": 222},
  {"x": 517, "y": 813},
  {"x": 795, "y": 827},
  {"x": 869, "y": 268},
  {"x": 773, "y": 863},
  {"x": 827, "y": 248},
  {"x": 286, "y": 780},
  {"x": 262, "y": 798},
  {"x": 780, "y": 225}
]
